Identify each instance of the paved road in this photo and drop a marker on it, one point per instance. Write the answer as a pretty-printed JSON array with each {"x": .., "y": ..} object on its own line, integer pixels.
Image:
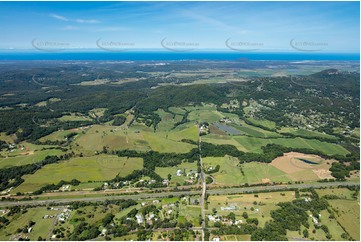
[
  {"x": 204, "y": 185},
  {"x": 221, "y": 191},
  {"x": 54, "y": 222}
]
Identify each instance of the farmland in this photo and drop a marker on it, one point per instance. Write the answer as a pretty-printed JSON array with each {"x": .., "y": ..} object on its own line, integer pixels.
[
  {"x": 97, "y": 168},
  {"x": 346, "y": 207},
  {"x": 230, "y": 172},
  {"x": 40, "y": 229},
  {"x": 152, "y": 131},
  {"x": 245, "y": 203}
]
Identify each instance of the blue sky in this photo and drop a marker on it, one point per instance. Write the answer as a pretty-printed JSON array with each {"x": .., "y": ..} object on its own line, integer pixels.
[{"x": 265, "y": 26}]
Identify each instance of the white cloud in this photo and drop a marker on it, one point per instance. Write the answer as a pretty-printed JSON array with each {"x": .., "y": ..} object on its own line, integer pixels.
[
  {"x": 111, "y": 29},
  {"x": 78, "y": 20},
  {"x": 213, "y": 22},
  {"x": 59, "y": 17},
  {"x": 87, "y": 21},
  {"x": 70, "y": 27}
]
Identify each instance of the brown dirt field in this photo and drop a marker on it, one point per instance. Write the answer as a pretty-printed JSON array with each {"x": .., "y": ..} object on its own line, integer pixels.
[
  {"x": 290, "y": 164},
  {"x": 323, "y": 173},
  {"x": 214, "y": 130},
  {"x": 266, "y": 180},
  {"x": 27, "y": 153}
]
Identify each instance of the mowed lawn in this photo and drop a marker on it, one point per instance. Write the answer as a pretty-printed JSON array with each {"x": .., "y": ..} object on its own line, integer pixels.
[
  {"x": 96, "y": 168},
  {"x": 253, "y": 144},
  {"x": 254, "y": 172}
]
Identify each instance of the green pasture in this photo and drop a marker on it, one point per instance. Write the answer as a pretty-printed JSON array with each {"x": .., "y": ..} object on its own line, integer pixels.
[{"x": 84, "y": 169}]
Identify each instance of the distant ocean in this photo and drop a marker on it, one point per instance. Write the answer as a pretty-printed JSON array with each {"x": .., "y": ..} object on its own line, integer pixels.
[{"x": 168, "y": 56}]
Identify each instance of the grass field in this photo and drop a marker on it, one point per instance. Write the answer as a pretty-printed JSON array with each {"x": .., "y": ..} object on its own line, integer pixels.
[
  {"x": 254, "y": 172},
  {"x": 225, "y": 139},
  {"x": 88, "y": 185},
  {"x": 7, "y": 138},
  {"x": 96, "y": 168},
  {"x": 177, "y": 110},
  {"x": 244, "y": 203},
  {"x": 74, "y": 117},
  {"x": 236, "y": 237},
  {"x": 205, "y": 114},
  {"x": 59, "y": 135},
  {"x": 185, "y": 166},
  {"x": 253, "y": 144},
  {"x": 264, "y": 123},
  {"x": 348, "y": 215},
  {"x": 163, "y": 143},
  {"x": 137, "y": 137},
  {"x": 41, "y": 227},
  {"x": 342, "y": 193},
  {"x": 190, "y": 213},
  {"x": 31, "y": 157},
  {"x": 306, "y": 133}
]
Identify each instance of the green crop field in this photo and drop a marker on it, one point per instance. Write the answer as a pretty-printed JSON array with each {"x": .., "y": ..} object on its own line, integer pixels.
[
  {"x": 254, "y": 172},
  {"x": 96, "y": 168}
]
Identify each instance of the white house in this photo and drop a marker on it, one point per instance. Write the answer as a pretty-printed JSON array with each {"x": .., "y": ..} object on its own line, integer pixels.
[{"x": 139, "y": 218}]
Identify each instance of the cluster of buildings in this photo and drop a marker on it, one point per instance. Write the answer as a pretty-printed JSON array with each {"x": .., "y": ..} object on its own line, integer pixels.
[
  {"x": 225, "y": 120},
  {"x": 65, "y": 188},
  {"x": 217, "y": 218},
  {"x": 64, "y": 215}
]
